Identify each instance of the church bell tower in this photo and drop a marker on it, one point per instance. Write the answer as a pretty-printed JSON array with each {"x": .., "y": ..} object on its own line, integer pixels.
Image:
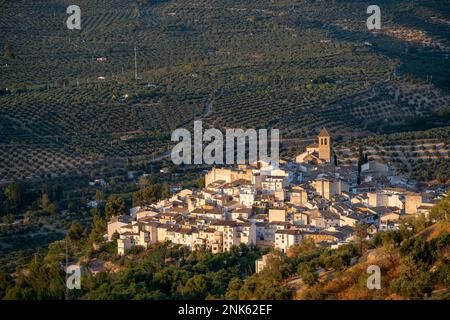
[{"x": 325, "y": 145}]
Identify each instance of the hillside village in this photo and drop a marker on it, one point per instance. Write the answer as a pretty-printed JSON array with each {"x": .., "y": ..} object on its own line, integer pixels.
[
  {"x": 94, "y": 206},
  {"x": 266, "y": 206}
]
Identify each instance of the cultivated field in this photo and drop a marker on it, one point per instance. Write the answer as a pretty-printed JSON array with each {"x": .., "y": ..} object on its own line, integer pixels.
[
  {"x": 422, "y": 155},
  {"x": 296, "y": 66}
]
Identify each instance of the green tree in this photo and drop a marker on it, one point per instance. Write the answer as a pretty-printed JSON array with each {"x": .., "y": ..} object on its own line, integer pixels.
[
  {"x": 75, "y": 233},
  {"x": 99, "y": 195},
  {"x": 308, "y": 274},
  {"x": 441, "y": 211},
  {"x": 195, "y": 288},
  {"x": 44, "y": 202},
  {"x": 145, "y": 181},
  {"x": 43, "y": 281},
  {"x": 234, "y": 286},
  {"x": 115, "y": 206},
  {"x": 6, "y": 281},
  {"x": 307, "y": 245},
  {"x": 8, "y": 218},
  {"x": 361, "y": 235},
  {"x": 200, "y": 183},
  {"x": 148, "y": 195},
  {"x": 53, "y": 209},
  {"x": 414, "y": 281},
  {"x": 165, "y": 191},
  {"x": 98, "y": 227},
  {"x": 360, "y": 162},
  {"x": 14, "y": 196},
  {"x": 8, "y": 52},
  {"x": 261, "y": 287}
]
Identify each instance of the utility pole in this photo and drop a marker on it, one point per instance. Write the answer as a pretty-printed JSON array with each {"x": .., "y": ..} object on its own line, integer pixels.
[
  {"x": 67, "y": 263},
  {"x": 135, "y": 64}
]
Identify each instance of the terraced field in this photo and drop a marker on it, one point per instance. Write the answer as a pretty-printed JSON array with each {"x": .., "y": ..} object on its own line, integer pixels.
[
  {"x": 421, "y": 155},
  {"x": 296, "y": 66},
  {"x": 397, "y": 101},
  {"x": 42, "y": 138}
]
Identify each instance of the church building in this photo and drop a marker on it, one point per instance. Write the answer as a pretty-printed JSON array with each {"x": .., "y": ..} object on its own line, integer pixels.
[{"x": 317, "y": 153}]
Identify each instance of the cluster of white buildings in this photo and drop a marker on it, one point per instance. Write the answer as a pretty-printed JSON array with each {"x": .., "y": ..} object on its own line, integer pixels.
[{"x": 274, "y": 207}]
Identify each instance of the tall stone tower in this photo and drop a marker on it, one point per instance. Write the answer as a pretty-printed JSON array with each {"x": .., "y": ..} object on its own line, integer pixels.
[{"x": 324, "y": 145}]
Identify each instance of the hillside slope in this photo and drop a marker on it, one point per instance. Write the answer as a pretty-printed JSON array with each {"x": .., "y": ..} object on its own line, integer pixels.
[{"x": 415, "y": 268}]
